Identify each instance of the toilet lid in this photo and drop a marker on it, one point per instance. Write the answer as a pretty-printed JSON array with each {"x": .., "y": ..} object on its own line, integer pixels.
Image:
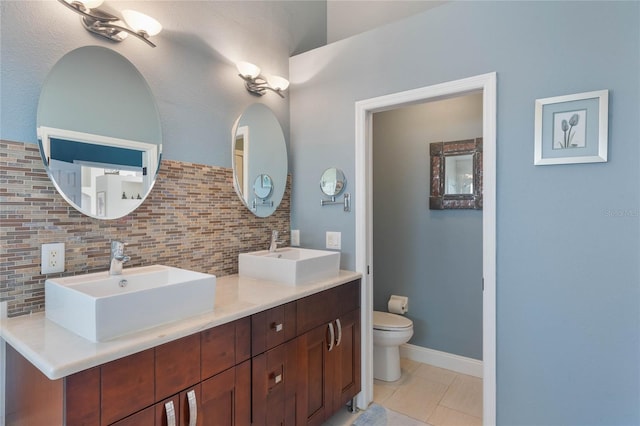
[{"x": 387, "y": 321}]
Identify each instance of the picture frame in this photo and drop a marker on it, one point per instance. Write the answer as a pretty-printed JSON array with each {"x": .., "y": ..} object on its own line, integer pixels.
[{"x": 572, "y": 129}]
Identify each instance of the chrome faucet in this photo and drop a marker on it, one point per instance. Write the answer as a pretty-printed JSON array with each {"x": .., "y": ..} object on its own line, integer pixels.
[
  {"x": 274, "y": 242},
  {"x": 117, "y": 257}
]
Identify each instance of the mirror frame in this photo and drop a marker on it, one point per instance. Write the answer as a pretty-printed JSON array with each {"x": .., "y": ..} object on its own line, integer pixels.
[{"x": 438, "y": 200}]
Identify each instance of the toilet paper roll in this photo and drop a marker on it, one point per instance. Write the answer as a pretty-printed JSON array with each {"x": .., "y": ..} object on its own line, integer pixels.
[{"x": 398, "y": 304}]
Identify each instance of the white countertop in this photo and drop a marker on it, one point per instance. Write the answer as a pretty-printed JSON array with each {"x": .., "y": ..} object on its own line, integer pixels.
[{"x": 58, "y": 352}]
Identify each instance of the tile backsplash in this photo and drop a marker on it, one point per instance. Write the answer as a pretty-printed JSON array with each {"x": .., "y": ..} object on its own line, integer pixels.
[{"x": 192, "y": 219}]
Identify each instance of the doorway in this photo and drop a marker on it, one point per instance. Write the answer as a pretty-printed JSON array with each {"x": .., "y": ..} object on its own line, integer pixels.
[{"x": 365, "y": 109}]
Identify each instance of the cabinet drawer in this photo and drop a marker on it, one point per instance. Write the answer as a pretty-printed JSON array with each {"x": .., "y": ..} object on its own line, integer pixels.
[
  {"x": 127, "y": 385},
  {"x": 177, "y": 366},
  {"x": 326, "y": 306},
  {"x": 272, "y": 327},
  {"x": 225, "y": 346}
]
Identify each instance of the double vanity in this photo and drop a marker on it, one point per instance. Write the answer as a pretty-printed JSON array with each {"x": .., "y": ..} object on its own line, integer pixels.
[
  {"x": 279, "y": 343},
  {"x": 266, "y": 352}
]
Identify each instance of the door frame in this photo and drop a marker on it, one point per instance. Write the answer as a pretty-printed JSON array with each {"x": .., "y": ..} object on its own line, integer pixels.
[{"x": 364, "y": 111}]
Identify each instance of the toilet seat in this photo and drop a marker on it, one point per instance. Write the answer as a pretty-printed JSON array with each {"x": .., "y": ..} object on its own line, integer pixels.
[{"x": 390, "y": 322}]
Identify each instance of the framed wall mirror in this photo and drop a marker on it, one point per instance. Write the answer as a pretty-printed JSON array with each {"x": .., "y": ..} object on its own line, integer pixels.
[
  {"x": 456, "y": 174},
  {"x": 99, "y": 132}
]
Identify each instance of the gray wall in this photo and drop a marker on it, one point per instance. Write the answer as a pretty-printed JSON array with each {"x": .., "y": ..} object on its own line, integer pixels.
[
  {"x": 432, "y": 256},
  {"x": 568, "y": 236},
  {"x": 191, "y": 72}
]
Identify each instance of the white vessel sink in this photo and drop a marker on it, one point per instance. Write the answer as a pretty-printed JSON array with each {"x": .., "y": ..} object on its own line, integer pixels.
[
  {"x": 291, "y": 266},
  {"x": 100, "y": 307}
]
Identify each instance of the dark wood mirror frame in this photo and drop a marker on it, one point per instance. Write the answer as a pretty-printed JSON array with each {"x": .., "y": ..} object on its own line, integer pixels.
[{"x": 438, "y": 151}]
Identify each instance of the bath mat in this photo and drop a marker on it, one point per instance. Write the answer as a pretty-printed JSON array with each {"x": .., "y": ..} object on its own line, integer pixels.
[{"x": 375, "y": 415}]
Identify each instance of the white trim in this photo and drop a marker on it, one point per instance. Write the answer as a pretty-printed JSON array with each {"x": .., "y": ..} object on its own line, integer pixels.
[
  {"x": 3, "y": 363},
  {"x": 363, "y": 215},
  {"x": 457, "y": 363}
]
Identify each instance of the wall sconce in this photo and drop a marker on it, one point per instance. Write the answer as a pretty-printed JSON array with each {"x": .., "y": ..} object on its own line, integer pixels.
[
  {"x": 110, "y": 26},
  {"x": 258, "y": 84}
]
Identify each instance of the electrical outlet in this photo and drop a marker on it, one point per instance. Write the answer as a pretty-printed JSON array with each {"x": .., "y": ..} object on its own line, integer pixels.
[
  {"x": 52, "y": 259},
  {"x": 295, "y": 237},
  {"x": 333, "y": 240}
]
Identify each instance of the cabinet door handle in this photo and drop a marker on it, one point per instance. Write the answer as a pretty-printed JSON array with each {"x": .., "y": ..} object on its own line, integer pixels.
[
  {"x": 277, "y": 327},
  {"x": 193, "y": 407},
  {"x": 339, "y": 338},
  {"x": 171, "y": 413},
  {"x": 332, "y": 336}
]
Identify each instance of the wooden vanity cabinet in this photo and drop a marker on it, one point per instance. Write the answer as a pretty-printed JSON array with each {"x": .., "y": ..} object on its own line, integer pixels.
[
  {"x": 282, "y": 366},
  {"x": 328, "y": 354}
]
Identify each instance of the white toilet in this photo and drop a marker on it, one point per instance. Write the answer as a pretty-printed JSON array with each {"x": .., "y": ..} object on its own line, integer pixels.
[{"x": 389, "y": 332}]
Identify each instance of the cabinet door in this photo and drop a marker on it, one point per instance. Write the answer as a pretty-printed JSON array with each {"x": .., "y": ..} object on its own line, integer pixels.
[
  {"x": 347, "y": 354},
  {"x": 82, "y": 393},
  {"x": 274, "y": 386},
  {"x": 315, "y": 378},
  {"x": 226, "y": 397}
]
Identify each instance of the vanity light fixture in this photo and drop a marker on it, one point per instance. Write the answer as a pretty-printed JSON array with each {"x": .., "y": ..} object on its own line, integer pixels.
[
  {"x": 110, "y": 26},
  {"x": 257, "y": 83}
]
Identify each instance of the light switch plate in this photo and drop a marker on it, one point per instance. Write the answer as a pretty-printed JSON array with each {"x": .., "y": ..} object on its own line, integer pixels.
[
  {"x": 295, "y": 237},
  {"x": 333, "y": 240},
  {"x": 52, "y": 258}
]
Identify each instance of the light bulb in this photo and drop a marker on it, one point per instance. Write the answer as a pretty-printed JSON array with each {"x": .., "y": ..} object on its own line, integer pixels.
[
  {"x": 278, "y": 83},
  {"x": 139, "y": 22},
  {"x": 247, "y": 69}
]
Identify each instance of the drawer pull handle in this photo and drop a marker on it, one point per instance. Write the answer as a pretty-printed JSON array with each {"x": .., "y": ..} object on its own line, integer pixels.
[
  {"x": 339, "y": 338},
  {"x": 277, "y": 327},
  {"x": 277, "y": 378},
  {"x": 193, "y": 408},
  {"x": 171, "y": 413},
  {"x": 332, "y": 336}
]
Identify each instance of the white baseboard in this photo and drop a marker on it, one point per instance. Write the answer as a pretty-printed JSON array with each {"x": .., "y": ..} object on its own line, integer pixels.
[{"x": 457, "y": 363}]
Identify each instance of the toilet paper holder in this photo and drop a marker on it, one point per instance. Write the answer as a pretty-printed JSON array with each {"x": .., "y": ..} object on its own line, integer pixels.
[{"x": 398, "y": 304}]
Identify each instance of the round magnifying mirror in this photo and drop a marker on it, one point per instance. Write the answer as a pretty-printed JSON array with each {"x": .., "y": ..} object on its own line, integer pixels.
[
  {"x": 99, "y": 132},
  {"x": 259, "y": 159},
  {"x": 332, "y": 182},
  {"x": 263, "y": 187}
]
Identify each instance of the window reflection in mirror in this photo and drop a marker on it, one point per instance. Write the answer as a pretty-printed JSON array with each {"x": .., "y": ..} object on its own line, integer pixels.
[{"x": 101, "y": 176}]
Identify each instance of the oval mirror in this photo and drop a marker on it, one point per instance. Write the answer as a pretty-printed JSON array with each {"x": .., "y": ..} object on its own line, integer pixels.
[
  {"x": 259, "y": 159},
  {"x": 99, "y": 132},
  {"x": 332, "y": 182}
]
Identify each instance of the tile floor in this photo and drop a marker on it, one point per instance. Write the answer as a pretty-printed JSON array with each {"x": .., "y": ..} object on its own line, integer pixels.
[{"x": 425, "y": 395}]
